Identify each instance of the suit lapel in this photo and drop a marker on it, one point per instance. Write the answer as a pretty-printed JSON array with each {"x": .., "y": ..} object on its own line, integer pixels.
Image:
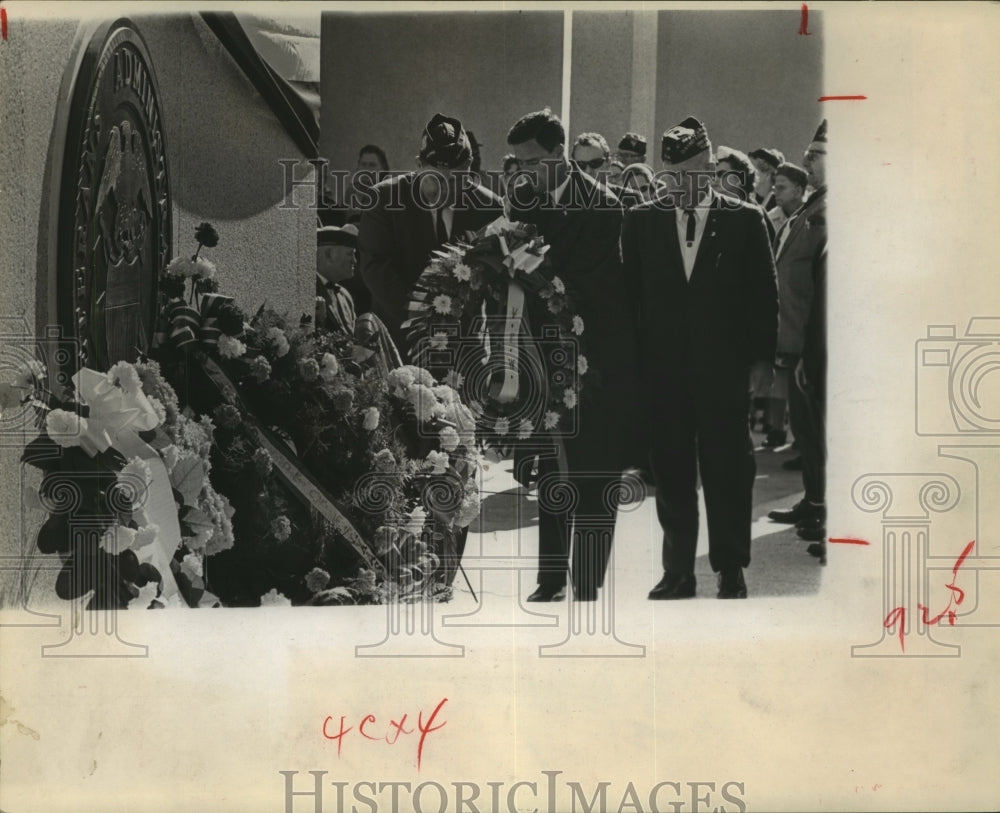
[
  {"x": 706, "y": 248},
  {"x": 673, "y": 246},
  {"x": 800, "y": 222}
]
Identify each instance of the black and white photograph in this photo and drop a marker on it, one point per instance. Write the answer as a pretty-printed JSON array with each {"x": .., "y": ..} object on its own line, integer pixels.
[{"x": 466, "y": 386}]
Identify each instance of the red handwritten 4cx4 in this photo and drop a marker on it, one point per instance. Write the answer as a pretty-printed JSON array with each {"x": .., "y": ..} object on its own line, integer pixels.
[{"x": 370, "y": 728}]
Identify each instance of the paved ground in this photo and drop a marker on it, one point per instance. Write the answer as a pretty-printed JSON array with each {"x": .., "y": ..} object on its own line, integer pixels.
[{"x": 506, "y": 538}]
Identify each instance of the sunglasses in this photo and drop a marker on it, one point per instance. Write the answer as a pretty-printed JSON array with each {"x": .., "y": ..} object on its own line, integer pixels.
[{"x": 593, "y": 163}]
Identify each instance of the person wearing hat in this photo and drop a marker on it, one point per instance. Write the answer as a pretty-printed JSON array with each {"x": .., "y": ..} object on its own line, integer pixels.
[
  {"x": 631, "y": 149},
  {"x": 701, "y": 279},
  {"x": 801, "y": 249},
  {"x": 765, "y": 161},
  {"x": 336, "y": 260},
  {"x": 580, "y": 220},
  {"x": 414, "y": 213}
]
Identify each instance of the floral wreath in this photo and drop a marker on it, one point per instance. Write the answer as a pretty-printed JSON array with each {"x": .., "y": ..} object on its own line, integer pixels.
[{"x": 466, "y": 282}]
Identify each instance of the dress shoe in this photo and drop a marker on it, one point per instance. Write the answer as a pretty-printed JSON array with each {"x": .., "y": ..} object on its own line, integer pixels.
[
  {"x": 813, "y": 531},
  {"x": 795, "y": 464},
  {"x": 817, "y": 549},
  {"x": 800, "y": 512},
  {"x": 546, "y": 592},
  {"x": 732, "y": 584},
  {"x": 673, "y": 586},
  {"x": 775, "y": 438}
]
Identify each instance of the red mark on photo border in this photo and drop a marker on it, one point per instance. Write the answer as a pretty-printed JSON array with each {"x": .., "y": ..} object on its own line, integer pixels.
[
  {"x": 848, "y": 541},
  {"x": 804, "y": 25},
  {"x": 3, "y": 23},
  {"x": 842, "y": 98}
]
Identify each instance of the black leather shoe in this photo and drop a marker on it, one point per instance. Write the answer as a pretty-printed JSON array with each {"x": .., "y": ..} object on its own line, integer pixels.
[
  {"x": 795, "y": 464},
  {"x": 673, "y": 586},
  {"x": 731, "y": 584},
  {"x": 546, "y": 592},
  {"x": 814, "y": 531},
  {"x": 800, "y": 512},
  {"x": 817, "y": 549}
]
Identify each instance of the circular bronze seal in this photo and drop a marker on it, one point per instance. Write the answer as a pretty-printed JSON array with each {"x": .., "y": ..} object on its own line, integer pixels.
[{"x": 114, "y": 209}]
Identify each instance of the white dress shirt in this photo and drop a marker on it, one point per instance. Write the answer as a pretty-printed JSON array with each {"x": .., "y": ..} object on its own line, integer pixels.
[
  {"x": 448, "y": 215},
  {"x": 690, "y": 253}
]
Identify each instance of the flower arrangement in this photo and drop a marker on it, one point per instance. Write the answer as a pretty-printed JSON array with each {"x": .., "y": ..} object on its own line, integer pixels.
[
  {"x": 481, "y": 281},
  {"x": 378, "y": 446},
  {"x": 130, "y": 510}
]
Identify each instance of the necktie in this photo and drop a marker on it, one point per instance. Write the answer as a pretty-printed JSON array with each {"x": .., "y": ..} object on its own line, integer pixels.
[
  {"x": 442, "y": 230},
  {"x": 689, "y": 233}
]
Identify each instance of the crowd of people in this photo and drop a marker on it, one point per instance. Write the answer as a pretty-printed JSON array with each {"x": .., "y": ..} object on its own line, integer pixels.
[{"x": 703, "y": 288}]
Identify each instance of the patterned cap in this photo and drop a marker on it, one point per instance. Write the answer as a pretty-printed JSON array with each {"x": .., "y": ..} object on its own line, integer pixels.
[
  {"x": 633, "y": 142},
  {"x": 684, "y": 141},
  {"x": 445, "y": 143},
  {"x": 337, "y": 236},
  {"x": 774, "y": 158}
]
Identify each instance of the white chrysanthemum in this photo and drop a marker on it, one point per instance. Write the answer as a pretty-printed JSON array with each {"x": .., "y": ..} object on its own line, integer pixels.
[
  {"x": 401, "y": 378},
  {"x": 65, "y": 428},
  {"x": 204, "y": 268},
  {"x": 371, "y": 417},
  {"x": 578, "y": 325},
  {"x": 502, "y": 426},
  {"x": 525, "y": 429},
  {"x": 569, "y": 397},
  {"x": 425, "y": 403},
  {"x": 445, "y": 394},
  {"x": 124, "y": 375},
  {"x": 135, "y": 477},
  {"x": 277, "y": 337},
  {"x": 180, "y": 267},
  {"x": 384, "y": 460},
  {"x": 438, "y": 461},
  {"x": 191, "y": 566},
  {"x": 462, "y": 272},
  {"x": 423, "y": 377},
  {"x": 582, "y": 365},
  {"x": 449, "y": 438},
  {"x": 442, "y": 304},
  {"x": 439, "y": 341},
  {"x": 231, "y": 348},
  {"x": 329, "y": 367},
  {"x": 317, "y": 579},
  {"x": 272, "y": 598},
  {"x": 558, "y": 285},
  {"x": 454, "y": 379},
  {"x": 117, "y": 539},
  {"x": 551, "y": 419}
]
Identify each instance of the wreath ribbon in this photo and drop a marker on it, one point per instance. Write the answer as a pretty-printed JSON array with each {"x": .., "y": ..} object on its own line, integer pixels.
[{"x": 191, "y": 325}]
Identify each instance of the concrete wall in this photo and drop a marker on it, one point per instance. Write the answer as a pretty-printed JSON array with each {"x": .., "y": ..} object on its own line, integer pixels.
[
  {"x": 747, "y": 74},
  {"x": 223, "y": 145},
  {"x": 384, "y": 75}
]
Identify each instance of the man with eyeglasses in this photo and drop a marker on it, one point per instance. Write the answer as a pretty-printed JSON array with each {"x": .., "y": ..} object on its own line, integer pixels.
[
  {"x": 702, "y": 284},
  {"x": 800, "y": 249},
  {"x": 580, "y": 219},
  {"x": 591, "y": 155}
]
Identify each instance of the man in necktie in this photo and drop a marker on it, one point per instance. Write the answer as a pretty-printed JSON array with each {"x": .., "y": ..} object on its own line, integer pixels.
[
  {"x": 336, "y": 261},
  {"x": 405, "y": 218},
  {"x": 800, "y": 251},
  {"x": 702, "y": 285},
  {"x": 580, "y": 220}
]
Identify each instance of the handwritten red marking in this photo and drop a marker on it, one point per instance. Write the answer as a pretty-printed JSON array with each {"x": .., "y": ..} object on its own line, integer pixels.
[
  {"x": 3, "y": 23},
  {"x": 842, "y": 98},
  {"x": 897, "y": 616},
  {"x": 849, "y": 541},
  {"x": 396, "y": 729},
  {"x": 804, "y": 24}
]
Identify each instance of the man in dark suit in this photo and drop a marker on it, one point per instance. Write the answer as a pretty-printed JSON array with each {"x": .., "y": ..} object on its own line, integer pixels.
[
  {"x": 580, "y": 219},
  {"x": 409, "y": 216},
  {"x": 702, "y": 282},
  {"x": 336, "y": 249},
  {"x": 800, "y": 248}
]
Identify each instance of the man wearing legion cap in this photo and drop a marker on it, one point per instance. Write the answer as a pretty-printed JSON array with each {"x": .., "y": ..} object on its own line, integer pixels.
[
  {"x": 413, "y": 214},
  {"x": 701, "y": 278}
]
